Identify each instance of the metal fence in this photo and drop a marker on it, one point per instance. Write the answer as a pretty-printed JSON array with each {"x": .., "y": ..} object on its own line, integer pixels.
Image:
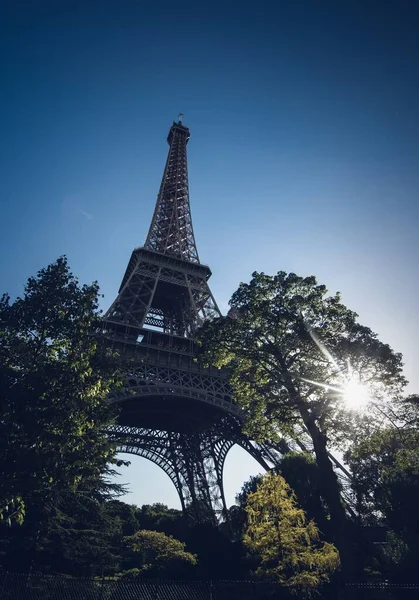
[{"x": 43, "y": 587}]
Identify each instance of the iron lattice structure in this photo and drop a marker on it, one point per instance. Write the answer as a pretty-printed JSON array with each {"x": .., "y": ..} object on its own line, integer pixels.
[
  {"x": 174, "y": 412},
  {"x": 171, "y": 230}
]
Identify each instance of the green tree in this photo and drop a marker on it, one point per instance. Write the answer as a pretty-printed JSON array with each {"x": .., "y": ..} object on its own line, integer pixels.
[
  {"x": 81, "y": 538},
  {"x": 287, "y": 545},
  {"x": 287, "y": 344},
  {"x": 385, "y": 467},
  {"x": 248, "y": 487},
  {"x": 302, "y": 474},
  {"x": 156, "y": 554},
  {"x": 55, "y": 376},
  {"x": 126, "y": 514},
  {"x": 237, "y": 517},
  {"x": 159, "y": 517}
]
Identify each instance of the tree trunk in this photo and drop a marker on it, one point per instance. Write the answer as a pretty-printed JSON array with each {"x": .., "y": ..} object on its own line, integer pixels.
[{"x": 341, "y": 527}]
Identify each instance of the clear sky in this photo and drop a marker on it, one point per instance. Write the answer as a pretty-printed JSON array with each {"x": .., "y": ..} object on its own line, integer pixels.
[{"x": 304, "y": 153}]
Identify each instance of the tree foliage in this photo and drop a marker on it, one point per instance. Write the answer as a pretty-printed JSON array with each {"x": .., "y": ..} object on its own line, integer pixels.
[
  {"x": 302, "y": 474},
  {"x": 81, "y": 537},
  {"x": 385, "y": 467},
  {"x": 287, "y": 344},
  {"x": 219, "y": 557},
  {"x": 285, "y": 340},
  {"x": 159, "y": 517},
  {"x": 248, "y": 487},
  {"x": 55, "y": 376},
  {"x": 288, "y": 546},
  {"x": 160, "y": 554}
]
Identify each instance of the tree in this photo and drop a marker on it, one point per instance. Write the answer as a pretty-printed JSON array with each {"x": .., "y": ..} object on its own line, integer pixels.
[
  {"x": 288, "y": 345},
  {"x": 159, "y": 554},
  {"x": 237, "y": 517},
  {"x": 126, "y": 514},
  {"x": 300, "y": 471},
  {"x": 385, "y": 467},
  {"x": 287, "y": 545},
  {"x": 248, "y": 487},
  {"x": 81, "y": 538},
  {"x": 55, "y": 376},
  {"x": 159, "y": 517}
]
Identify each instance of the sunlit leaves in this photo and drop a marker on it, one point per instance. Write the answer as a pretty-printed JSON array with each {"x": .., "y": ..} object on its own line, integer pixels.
[
  {"x": 55, "y": 376},
  {"x": 160, "y": 553},
  {"x": 288, "y": 546},
  {"x": 287, "y": 345},
  {"x": 284, "y": 332}
]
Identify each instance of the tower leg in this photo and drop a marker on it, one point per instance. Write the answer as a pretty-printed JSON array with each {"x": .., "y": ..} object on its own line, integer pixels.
[{"x": 194, "y": 463}]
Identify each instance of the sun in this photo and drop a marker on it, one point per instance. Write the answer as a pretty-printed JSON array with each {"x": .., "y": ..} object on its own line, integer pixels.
[
  {"x": 355, "y": 394},
  {"x": 347, "y": 386}
]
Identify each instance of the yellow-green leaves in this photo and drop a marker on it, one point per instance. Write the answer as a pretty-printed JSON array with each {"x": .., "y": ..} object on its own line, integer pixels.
[
  {"x": 288, "y": 546},
  {"x": 159, "y": 552}
]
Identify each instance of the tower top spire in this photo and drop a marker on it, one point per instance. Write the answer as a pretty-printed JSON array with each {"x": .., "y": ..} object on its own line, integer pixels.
[
  {"x": 171, "y": 230},
  {"x": 165, "y": 286}
]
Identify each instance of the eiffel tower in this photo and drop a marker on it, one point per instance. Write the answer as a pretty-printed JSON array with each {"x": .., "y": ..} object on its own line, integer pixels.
[{"x": 174, "y": 412}]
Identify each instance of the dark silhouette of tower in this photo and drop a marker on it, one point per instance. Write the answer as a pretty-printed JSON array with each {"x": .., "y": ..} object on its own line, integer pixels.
[{"x": 174, "y": 412}]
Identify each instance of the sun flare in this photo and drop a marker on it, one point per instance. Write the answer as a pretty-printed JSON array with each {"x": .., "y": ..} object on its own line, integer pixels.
[
  {"x": 355, "y": 394},
  {"x": 347, "y": 386}
]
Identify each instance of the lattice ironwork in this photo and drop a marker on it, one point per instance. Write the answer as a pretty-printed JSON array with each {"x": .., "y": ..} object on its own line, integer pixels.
[
  {"x": 193, "y": 461},
  {"x": 174, "y": 413},
  {"x": 170, "y": 295},
  {"x": 171, "y": 230},
  {"x": 147, "y": 379}
]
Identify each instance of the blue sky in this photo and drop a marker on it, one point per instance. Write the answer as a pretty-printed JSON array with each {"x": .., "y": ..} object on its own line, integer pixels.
[{"x": 304, "y": 152}]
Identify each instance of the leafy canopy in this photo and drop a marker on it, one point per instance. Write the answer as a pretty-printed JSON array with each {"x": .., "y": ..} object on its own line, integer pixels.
[
  {"x": 385, "y": 466},
  {"x": 158, "y": 553},
  {"x": 55, "y": 376},
  {"x": 291, "y": 351},
  {"x": 285, "y": 341}
]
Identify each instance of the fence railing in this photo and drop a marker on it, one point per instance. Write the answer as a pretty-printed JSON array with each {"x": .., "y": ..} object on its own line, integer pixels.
[{"x": 15, "y": 586}]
